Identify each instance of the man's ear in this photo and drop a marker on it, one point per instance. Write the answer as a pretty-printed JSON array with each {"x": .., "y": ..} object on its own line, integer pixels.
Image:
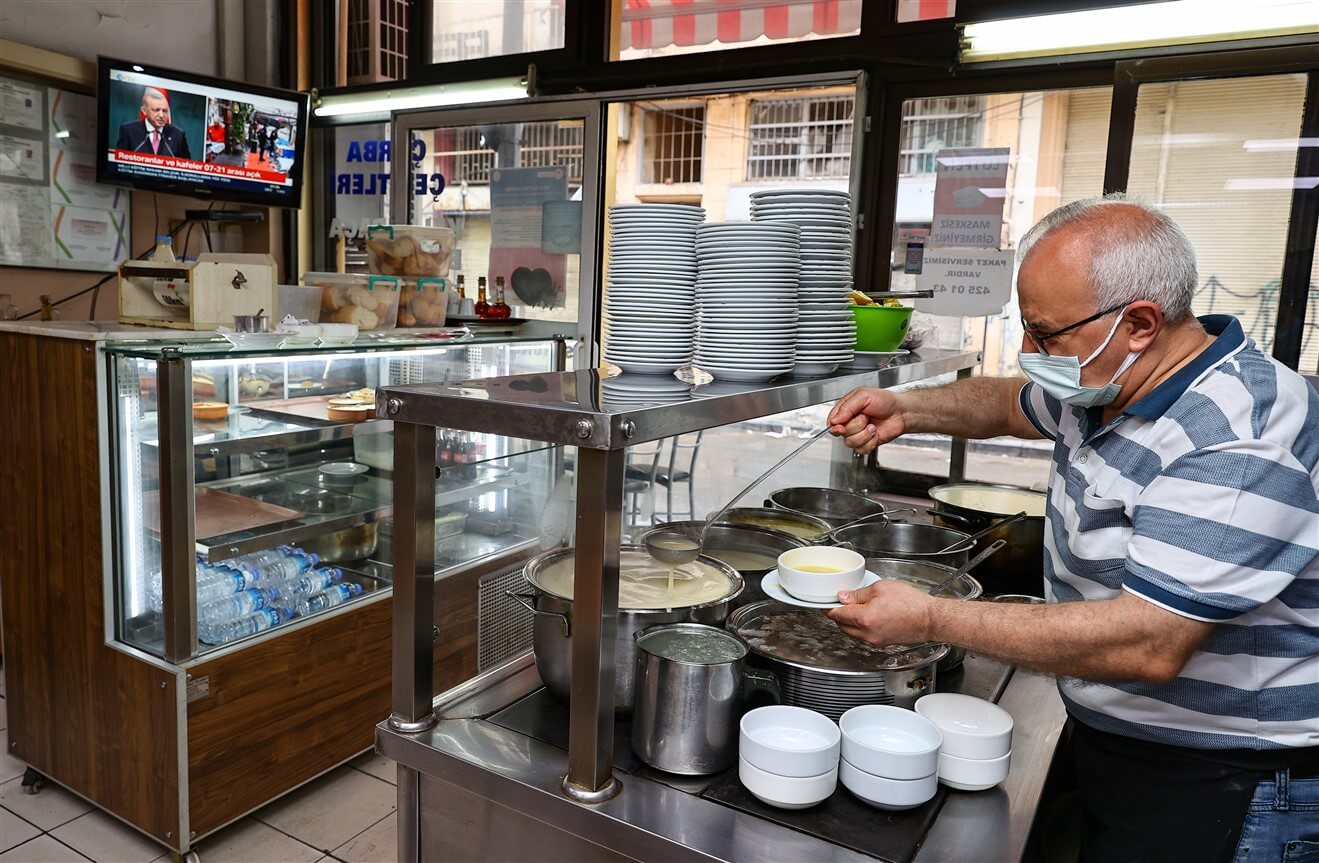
[{"x": 1146, "y": 321}]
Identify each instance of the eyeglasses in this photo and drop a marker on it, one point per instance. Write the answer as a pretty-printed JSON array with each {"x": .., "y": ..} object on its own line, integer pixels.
[{"x": 1040, "y": 340}]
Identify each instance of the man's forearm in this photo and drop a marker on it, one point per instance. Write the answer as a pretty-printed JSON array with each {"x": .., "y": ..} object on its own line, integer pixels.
[
  {"x": 971, "y": 408},
  {"x": 1118, "y": 639}
]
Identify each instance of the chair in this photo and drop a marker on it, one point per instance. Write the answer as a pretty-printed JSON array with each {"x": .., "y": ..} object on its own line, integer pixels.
[{"x": 681, "y": 449}]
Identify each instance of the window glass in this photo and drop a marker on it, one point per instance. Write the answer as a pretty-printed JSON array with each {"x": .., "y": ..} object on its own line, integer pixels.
[
  {"x": 474, "y": 29},
  {"x": 377, "y": 48},
  {"x": 925, "y": 10},
  {"x": 658, "y": 28},
  {"x": 716, "y": 151},
  {"x": 1229, "y": 186},
  {"x": 1056, "y": 143},
  {"x": 508, "y": 191}
]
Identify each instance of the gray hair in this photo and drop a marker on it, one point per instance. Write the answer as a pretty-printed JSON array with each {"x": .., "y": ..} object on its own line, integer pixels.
[
  {"x": 1138, "y": 252},
  {"x": 153, "y": 93}
]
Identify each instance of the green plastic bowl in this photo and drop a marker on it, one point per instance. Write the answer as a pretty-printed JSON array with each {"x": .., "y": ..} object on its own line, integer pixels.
[{"x": 880, "y": 328}]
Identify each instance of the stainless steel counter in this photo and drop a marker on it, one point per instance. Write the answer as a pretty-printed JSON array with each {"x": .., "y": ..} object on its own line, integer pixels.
[{"x": 485, "y": 792}]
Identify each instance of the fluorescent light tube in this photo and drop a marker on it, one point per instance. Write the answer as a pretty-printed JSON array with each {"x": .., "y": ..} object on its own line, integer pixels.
[
  {"x": 380, "y": 103},
  {"x": 1142, "y": 25}
]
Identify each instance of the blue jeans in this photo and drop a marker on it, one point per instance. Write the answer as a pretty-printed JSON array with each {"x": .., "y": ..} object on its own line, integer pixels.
[{"x": 1282, "y": 825}]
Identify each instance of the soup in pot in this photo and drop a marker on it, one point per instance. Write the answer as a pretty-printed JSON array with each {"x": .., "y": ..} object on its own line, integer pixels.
[
  {"x": 787, "y": 525},
  {"x": 744, "y": 561},
  {"x": 1004, "y": 501},
  {"x": 644, "y": 582}
]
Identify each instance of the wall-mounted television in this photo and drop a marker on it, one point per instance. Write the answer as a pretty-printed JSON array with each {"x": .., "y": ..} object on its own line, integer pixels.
[{"x": 167, "y": 131}]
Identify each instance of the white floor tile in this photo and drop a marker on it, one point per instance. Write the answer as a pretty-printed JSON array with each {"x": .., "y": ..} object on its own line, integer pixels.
[
  {"x": 48, "y": 808},
  {"x": 332, "y": 810},
  {"x": 9, "y": 765},
  {"x": 377, "y": 765},
  {"x": 14, "y": 830},
  {"x": 377, "y": 844},
  {"x": 106, "y": 840},
  {"x": 250, "y": 841},
  {"x": 43, "y": 849}
]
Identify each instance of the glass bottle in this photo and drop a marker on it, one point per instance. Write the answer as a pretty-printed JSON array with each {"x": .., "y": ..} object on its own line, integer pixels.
[
  {"x": 500, "y": 309},
  {"x": 482, "y": 307},
  {"x": 462, "y": 288}
]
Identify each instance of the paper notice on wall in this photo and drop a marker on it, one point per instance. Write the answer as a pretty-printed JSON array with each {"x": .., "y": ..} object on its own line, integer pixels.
[
  {"x": 517, "y": 212},
  {"x": 20, "y": 104},
  {"x": 965, "y": 282},
  {"x": 73, "y": 182},
  {"x": 22, "y": 158},
  {"x": 970, "y": 189},
  {"x": 72, "y": 121},
  {"x": 89, "y": 239},
  {"x": 25, "y": 235}
]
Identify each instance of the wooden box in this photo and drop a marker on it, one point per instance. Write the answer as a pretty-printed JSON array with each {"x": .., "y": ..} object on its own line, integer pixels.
[{"x": 204, "y": 295}]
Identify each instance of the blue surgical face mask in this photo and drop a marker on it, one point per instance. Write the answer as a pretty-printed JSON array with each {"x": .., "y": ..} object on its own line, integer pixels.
[{"x": 1060, "y": 377}]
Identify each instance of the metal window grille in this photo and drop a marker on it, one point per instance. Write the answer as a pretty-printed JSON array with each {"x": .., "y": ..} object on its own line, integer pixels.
[
  {"x": 377, "y": 40},
  {"x": 930, "y": 125},
  {"x": 461, "y": 156},
  {"x": 801, "y": 139},
  {"x": 673, "y": 144},
  {"x": 458, "y": 46},
  {"x": 548, "y": 144}
]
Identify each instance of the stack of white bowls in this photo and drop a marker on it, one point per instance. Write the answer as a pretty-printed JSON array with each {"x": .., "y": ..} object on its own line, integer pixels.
[
  {"x": 651, "y": 287},
  {"x": 890, "y": 756},
  {"x": 826, "y": 332},
  {"x": 977, "y": 739},
  {"x": 788, "y": 756},
  {"x": 746, "y": 299}
]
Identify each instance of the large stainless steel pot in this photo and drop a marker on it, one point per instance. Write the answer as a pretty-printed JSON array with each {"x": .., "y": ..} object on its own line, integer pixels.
[
  {"x": 553, "y": 626},
  {"x": 692, "y": 687},
  {"x": 833, "y": 505},
  {"x": 721, "y": 538},
  {"x": 907, "y": 541},
  {"x": 835, "y": 690},
  {"x": 807, "y": 528},
  {"x": 927, "y": 576},
  {"x": 1017, "y": 568}
]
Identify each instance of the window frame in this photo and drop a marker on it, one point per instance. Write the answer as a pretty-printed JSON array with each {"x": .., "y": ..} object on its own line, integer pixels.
[{"x": 658, "y": 189}]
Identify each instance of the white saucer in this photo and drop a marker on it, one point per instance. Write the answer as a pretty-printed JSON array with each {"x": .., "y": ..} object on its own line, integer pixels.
[{"x": 774, "y": 590}]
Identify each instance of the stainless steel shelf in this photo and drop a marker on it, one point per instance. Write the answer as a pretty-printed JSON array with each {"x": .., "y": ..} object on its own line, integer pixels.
[
  {"x": 586, "y": 409},
  {"x": 367, "y": 501}
]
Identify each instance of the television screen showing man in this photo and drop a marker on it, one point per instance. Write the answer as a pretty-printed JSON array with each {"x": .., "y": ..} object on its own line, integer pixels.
[{"x": 154, "y": 133}]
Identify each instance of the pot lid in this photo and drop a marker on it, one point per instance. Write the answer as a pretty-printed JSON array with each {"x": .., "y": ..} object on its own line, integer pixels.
[{"x": 643, "y": 582}]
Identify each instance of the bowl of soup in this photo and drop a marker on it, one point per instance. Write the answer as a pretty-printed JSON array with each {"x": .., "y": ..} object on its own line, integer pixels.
[{"x": 817, "y": 573}]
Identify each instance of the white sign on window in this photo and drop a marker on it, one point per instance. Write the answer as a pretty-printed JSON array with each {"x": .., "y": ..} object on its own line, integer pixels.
[{"x": 966, "y": 282}]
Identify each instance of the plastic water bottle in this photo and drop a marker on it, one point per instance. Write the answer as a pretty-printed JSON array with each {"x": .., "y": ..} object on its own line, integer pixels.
[
  {"x": 238, "y": 605},
  {"x": 164, "y": 251},
  {"x": 329, "y": 598},
  {"x": 287, "y": 565},
  {"x": 290, "y": 592},
  {"x": 249, "y": 624},
  {"x": 219, "y": 581}
]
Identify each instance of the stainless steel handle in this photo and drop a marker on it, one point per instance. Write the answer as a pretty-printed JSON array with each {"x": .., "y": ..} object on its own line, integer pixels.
[{"x": 565, "y": 623}]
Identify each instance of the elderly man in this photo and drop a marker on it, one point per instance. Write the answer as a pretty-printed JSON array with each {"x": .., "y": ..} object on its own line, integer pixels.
[
  {"x": 1182, "y": 550},
  {"x": 154, "y": 133}
]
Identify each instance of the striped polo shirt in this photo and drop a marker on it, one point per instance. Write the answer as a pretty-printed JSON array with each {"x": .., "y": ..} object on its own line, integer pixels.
[{"x": 1202, "y": 498}]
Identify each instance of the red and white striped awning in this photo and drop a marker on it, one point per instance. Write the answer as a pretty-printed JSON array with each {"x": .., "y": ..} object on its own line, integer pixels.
[{"x": 649, "y": 24}]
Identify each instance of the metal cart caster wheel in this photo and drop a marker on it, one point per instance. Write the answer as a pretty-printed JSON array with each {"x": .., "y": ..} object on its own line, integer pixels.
[
  {"x": 190, "y": 857},
  {"x": 32, "y": 781}
]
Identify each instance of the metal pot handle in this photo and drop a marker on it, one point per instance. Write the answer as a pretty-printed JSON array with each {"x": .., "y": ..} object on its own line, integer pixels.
[
  {"x": 756, "y": 681},
  {"x": 525, "y": 600},
  {"x": 951, "y": 516}
]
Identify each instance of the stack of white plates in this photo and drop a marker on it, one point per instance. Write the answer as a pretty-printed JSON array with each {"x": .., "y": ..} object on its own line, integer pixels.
[
  {"x": 651, "y": 285},
  {"x": 634, "y": 391},
  {"x": 746, "y": 299},
  {"x": 826, "y": 331}
]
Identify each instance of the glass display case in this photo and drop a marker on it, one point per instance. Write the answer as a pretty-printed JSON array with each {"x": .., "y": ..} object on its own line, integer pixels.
[{"x": 253, "y": 487}]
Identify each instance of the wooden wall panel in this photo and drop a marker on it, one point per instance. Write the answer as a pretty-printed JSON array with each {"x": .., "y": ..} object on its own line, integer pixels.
[{"x": 93, "y": 718}]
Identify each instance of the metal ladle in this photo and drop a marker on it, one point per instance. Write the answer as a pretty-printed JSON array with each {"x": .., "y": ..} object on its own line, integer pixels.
[
  {"x": 980, "y": 533},
  {"x": 677, "y": 548}
]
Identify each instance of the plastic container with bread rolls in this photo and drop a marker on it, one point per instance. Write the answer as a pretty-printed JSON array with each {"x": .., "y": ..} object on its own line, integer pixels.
[
  {"x": 423, "y": 302},
  {"x": 409, "y": 250},
  {"x": 368, "y": 302}
]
